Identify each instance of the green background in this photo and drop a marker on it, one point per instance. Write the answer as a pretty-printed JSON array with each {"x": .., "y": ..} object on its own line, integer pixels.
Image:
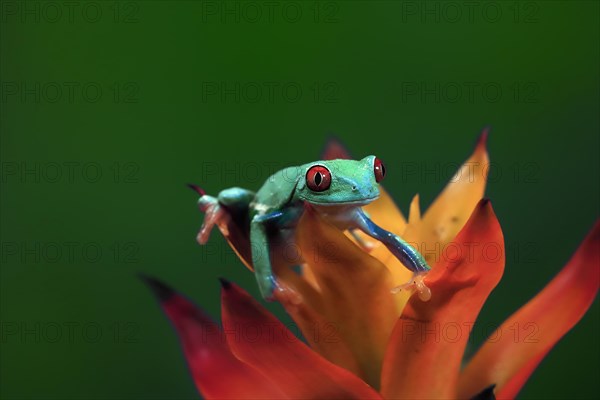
[{"x": 382, "y": 75}]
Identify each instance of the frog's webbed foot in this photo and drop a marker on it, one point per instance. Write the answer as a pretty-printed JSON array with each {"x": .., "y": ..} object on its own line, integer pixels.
[
  {"x": 214, "y": 214},
  {"x": 417, "y": 284}
]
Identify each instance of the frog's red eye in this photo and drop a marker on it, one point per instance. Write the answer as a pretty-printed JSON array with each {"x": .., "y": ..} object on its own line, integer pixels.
[
  {"x": 318, "y": 178},
  {"x": 379, "y": 170}
]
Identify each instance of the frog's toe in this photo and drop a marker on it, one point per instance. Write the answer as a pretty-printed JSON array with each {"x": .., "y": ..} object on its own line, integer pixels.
[
  {"x": 273, "y": 290},
  {"x": 369, "y": 246},
  {"x": 214, "y": 215},
  {"x": 416, "y": 284},
  {"x": 206, "y": 202},
  {"x": 267, "y": 287},
  {"x": 286, "y": 295}
]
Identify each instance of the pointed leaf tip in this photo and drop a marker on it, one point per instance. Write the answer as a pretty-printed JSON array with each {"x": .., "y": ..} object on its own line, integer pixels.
[
  {"x": 414, "y": 213},
  {"x": 162, "y": 292},
  {"x": 196, "y": 189},
  {"x": 486, "y": 394},
  {"x": 334, "y": 149},
  {"x": 483, "y": 138},
  {"x": 449, "y": 212},
  {"x": 218, "y": 374},
  {"x": 225, "y": 284},
  {"x": 595, "y": 232}
]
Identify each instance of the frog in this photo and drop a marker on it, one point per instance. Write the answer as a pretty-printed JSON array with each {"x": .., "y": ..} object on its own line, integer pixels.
[{"x": 335, "y": 189}]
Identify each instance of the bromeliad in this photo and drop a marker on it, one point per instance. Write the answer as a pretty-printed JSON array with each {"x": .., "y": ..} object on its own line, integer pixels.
[{"x": 362, "y": 341}]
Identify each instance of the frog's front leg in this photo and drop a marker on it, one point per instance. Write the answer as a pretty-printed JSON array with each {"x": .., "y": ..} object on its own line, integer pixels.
[
  {"x": 408, "y": 255},
  {"x": 261, "y": 257},
  {"x": 261, "y": 253}
]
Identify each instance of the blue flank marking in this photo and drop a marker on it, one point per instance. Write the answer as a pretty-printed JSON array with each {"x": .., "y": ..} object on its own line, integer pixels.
[{"x": 270, "y": 216}]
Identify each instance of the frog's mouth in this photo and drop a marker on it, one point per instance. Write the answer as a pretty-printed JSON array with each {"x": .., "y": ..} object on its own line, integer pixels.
[{"x": 359, "y": 202}]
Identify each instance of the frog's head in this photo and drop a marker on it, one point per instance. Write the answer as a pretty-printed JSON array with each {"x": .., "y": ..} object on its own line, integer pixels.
[{"x": 336, "y": 182}]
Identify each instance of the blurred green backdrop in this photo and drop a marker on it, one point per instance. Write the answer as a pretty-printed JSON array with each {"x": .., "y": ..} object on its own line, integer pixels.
[{"x": 109, "y": 108}]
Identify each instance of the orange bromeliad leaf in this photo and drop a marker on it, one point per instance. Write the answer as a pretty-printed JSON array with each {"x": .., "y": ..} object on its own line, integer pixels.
[
  {"x": 216, "y": 371},
  {"x": 261, "y": 340},
  {"x": 354, "y": 296},
  {"x": 551, "y": 313},
  {"x": 427, "y": 344}
]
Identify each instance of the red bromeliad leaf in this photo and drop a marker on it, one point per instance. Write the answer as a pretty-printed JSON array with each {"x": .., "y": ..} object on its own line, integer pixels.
[
  {"x": 258, "y": 338},
  {"x": 218, "y": 374},
  {"x": 425, "y": 350},
  {"x": 508, "y": 363}
]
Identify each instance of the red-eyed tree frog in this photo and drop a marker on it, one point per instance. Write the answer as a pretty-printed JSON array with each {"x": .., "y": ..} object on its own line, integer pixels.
[{"x": 336, "y": 189}]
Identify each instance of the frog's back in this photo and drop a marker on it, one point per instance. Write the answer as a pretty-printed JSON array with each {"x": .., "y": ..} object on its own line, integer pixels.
[{"x": 278, "y": 190}]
